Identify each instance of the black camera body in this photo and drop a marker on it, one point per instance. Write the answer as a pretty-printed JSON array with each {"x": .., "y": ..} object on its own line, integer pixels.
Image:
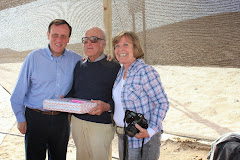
[{"x": 133, "y": 118}]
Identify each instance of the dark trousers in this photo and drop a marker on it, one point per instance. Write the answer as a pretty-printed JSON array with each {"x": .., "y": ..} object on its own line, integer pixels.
[{"x": 46, "y": 133}]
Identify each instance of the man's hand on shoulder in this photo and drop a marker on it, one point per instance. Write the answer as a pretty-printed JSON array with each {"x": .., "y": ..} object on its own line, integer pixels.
[
  {"x": 109, "y": 57},
  {"x": 84, "y": 58}
]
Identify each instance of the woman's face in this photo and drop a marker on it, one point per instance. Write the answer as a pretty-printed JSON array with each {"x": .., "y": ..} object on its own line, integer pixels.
[{"x": 124, "y": 52}]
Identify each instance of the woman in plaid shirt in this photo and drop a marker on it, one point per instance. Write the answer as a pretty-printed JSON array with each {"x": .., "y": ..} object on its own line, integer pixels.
[{"x": 138, "y": 88}]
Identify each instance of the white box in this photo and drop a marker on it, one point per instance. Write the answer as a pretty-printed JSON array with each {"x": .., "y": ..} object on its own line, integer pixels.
[{"x": 71, "y": 105}]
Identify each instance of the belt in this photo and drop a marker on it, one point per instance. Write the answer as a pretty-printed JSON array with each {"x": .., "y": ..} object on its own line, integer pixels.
[
  {"x": 120, "y": 130},
  {"x": 47, "y": 112}
]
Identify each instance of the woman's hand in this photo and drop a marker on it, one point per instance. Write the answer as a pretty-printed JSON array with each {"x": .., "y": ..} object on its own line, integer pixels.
[{"x": 143, "y": 132}]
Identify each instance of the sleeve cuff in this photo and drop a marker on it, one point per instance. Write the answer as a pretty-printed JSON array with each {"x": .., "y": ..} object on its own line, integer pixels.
[
  {"x": 151, "y": 132},
  {"x": 21, "y": 118}
]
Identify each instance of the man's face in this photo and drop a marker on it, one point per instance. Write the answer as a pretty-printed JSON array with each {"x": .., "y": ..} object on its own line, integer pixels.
[
  {"x": 59, "y": 38},
  {"x": 94, "y": 50}
]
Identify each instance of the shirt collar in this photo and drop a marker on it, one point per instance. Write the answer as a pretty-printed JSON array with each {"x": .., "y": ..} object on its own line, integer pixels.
[
  {"x": 50, "y": 53},
  {"x": 98, "y": 59},
  {"x": 132, "y": 66}
]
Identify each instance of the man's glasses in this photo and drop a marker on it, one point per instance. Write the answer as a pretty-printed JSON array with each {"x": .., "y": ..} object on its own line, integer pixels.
[{"x": 92, "y": 39}]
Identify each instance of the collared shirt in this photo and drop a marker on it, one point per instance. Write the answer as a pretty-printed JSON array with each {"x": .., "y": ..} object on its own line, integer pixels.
[
  {"x": 98, "y": 59},
  {"x": 42, "y": 76},
  {"x": 143, "y": 93}
]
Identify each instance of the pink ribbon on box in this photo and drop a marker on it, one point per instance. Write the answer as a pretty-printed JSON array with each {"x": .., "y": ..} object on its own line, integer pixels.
[{"x": 78, "y": 101}]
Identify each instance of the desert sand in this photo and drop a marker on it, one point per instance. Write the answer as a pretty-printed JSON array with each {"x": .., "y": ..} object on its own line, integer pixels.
[{"x": 204, "y": 104}]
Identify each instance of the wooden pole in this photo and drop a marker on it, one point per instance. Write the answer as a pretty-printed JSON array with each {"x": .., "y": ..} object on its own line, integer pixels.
[
  {"x": 133, "y": 19},
  {"x": 136, "y": 6},
  {"x": 107, "y": 20}
]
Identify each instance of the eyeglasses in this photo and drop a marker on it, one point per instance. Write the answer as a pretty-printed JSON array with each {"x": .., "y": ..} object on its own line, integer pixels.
[{"x": 92, "y": 39}]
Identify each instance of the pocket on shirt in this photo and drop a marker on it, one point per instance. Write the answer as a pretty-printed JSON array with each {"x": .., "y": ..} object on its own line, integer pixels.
[{"x": 134, "y": 92}]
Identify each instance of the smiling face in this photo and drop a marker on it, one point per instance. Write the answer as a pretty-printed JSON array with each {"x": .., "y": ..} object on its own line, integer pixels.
[
  {"x": 124, "y": 52},
  {"x": 59, "y": 38},
  {"x": 94, "y": 50}
]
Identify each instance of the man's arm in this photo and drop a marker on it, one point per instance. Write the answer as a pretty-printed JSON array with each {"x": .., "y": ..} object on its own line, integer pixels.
[
  {"x": 18, "y": 95},
  {"x": 20, "y": 90}
]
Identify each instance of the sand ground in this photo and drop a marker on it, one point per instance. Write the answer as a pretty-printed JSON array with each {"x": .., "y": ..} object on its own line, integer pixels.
[
  {"x": 12, "y": 142},
  {"x": 204, "y": 104}
]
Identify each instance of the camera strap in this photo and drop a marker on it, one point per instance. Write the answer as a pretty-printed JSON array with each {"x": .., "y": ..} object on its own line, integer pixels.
[
  {"x": 125, "y": 144},
  {"x": 142, "y": 148}
]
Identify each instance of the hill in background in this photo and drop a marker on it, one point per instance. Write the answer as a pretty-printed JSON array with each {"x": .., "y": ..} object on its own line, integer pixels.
[
  {"x": 206, "y": 41},
  {"x": 13, "y": 3}
]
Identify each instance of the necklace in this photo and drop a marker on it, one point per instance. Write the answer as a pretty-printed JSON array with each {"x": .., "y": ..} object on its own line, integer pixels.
[{"x": 125, "y": 75}]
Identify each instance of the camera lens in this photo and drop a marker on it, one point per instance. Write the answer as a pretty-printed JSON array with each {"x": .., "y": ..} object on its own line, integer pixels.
[
  {"x": 133, "y": 118},
  {"x": 131, "y": 130}
]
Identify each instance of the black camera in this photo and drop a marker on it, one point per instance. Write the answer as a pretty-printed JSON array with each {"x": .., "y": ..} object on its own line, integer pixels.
[{"x": 132, "y": 118}]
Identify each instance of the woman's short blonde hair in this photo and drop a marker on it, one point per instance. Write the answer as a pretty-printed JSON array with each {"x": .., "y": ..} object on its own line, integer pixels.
[{"x": 138, "y": 52}]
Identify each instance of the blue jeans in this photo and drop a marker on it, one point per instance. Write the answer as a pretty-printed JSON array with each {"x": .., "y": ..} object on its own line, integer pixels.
[
  {"x": 46, "y": 133},
  {"x": 151, "y": 150}
]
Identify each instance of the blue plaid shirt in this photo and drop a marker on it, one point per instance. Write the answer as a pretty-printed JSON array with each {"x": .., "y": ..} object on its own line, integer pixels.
[{"x": 143, "y": 93}]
